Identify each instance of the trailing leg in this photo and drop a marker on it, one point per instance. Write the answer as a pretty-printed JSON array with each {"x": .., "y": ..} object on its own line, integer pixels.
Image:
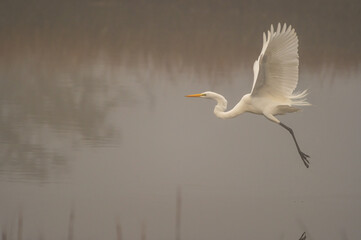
[{"x": 303, "y": 155}]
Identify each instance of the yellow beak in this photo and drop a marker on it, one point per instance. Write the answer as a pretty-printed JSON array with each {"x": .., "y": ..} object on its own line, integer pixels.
[{"x": 195, "y": 95}]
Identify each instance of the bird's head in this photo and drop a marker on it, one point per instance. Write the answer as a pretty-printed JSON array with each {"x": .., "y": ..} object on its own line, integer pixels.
[
  {"x": 204, "y": 95},
  {"x": 221, "y": 101}
]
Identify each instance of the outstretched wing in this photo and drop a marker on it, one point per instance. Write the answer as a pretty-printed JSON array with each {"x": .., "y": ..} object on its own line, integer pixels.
[{"x": 276, "y": 70}]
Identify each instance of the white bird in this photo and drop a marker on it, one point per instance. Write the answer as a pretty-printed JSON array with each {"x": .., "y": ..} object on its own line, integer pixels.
[{"x": 275, "y": 79}]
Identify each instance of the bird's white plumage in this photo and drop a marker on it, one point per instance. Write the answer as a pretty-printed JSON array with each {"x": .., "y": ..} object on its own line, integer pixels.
[
  {"x": 276, "y": 69},
  {"x": 275, "y": 79}
]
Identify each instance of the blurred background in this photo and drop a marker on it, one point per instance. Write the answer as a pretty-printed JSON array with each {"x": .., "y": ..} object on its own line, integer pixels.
[{"x": 98, "y": 142}]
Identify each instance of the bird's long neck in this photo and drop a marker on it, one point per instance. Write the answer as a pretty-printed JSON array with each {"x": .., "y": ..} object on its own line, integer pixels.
[{"x": 220, "y": 108}]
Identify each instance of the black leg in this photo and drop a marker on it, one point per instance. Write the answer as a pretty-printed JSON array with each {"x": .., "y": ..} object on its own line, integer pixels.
[
  {"x": 304, "y": 156},
  {"x": 303, "y": 237}
]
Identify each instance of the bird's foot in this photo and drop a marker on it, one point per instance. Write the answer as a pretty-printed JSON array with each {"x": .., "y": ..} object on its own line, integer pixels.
[{"x": 304, "y": 157}]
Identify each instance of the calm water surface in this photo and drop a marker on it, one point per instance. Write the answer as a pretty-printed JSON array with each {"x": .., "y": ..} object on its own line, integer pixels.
[{"x": 94, "y": 122}]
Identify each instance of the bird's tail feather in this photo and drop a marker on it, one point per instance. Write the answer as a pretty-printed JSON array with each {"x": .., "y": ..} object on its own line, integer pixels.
[
  {"x": 299, "y": 99},
  {"x": 283, "y": 109}
]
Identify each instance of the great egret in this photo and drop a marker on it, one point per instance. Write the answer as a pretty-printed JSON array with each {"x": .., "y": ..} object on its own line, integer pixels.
[{"x": 275, "y": 79}]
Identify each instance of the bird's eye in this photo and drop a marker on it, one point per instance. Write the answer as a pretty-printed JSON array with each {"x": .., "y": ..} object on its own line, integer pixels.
[{"x": 204, "y": 95}]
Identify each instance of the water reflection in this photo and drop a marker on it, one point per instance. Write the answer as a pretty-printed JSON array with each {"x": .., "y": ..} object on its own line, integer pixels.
[
  {"x": 46, "y": 101},
  {"x": 64, "y": 69}
]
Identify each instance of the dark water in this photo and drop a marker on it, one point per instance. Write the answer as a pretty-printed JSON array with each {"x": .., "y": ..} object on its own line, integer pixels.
[{"x": 93, "y": 120}]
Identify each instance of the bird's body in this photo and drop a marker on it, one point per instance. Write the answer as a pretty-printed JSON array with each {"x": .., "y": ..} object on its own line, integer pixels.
[
  {"x": 275, "y": 79},
  {"x": 248, "y": 103}
]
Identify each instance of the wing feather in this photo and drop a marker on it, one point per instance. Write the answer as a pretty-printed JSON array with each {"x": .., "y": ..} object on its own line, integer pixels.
[{"x": 276, "y": 69}]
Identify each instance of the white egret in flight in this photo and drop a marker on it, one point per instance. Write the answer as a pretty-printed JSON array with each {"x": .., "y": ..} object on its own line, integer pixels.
[{"x": 275, "y": 79}]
